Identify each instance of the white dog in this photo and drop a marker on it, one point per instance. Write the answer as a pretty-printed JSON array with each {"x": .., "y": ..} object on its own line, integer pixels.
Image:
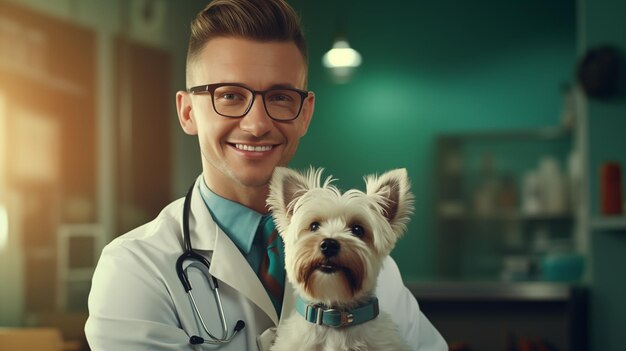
[{"x": 334, "y": 246}]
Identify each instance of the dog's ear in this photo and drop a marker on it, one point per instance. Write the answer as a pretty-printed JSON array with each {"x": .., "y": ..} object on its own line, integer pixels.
[
  {"x": 392, "y": 191},
  {"x": 286, "y": 186}
]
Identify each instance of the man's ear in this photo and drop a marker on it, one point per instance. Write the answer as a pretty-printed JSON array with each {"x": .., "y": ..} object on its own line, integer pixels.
[
  {"x": 392, "y": 191},
  {"x": 185, "y": 113},
  {"x": 286, "y": 187}
]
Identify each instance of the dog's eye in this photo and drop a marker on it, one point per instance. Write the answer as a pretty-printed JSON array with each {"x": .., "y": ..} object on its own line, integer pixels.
[
  {"x": 357, "y": 230},
  {"x": 314, "y": 226}
]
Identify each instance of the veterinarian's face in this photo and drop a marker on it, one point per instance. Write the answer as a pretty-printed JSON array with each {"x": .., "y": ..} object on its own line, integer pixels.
[{"x": 243, "y": 152}]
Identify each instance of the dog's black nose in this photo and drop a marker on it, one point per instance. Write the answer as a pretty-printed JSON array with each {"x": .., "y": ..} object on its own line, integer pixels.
[{"x": 329, "y": 247}]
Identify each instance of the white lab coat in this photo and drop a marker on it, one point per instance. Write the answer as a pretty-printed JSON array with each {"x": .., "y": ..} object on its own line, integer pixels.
[{"x": 138, "y": 303}]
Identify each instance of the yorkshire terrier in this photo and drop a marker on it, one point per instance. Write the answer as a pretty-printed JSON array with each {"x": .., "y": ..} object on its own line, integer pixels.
[{"x": 335, "y": 244}]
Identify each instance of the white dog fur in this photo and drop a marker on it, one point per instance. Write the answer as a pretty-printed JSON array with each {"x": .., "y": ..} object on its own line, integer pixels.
[{"x": 365, "y": 226}]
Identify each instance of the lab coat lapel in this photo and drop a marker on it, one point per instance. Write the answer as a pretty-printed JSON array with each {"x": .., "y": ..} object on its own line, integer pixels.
[
  {"x": 229, "y": 266},
  {"x": 289, "y": 301},
  {"x": 227, "y": 263}
]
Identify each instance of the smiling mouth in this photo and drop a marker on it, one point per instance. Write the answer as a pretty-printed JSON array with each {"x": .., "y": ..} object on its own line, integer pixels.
[{"x": 257, "y": 148}]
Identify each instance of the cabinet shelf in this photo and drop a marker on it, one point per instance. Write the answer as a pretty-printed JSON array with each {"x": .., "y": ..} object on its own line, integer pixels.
[
  {"x": 453, "y": 210},
  {"x": 610, "y": 223},
  {"x": 545, "y": 133}
]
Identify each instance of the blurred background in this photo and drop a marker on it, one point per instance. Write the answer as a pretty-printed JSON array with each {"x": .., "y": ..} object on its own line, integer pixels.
[{"x": 509, "y": 117}]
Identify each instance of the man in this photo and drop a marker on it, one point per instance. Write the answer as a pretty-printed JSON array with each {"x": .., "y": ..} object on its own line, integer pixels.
[{"x": 247, "y": 103}]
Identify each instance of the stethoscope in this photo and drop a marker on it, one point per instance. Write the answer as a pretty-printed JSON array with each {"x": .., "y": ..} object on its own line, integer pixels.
[{"x": 202, "y": 264}]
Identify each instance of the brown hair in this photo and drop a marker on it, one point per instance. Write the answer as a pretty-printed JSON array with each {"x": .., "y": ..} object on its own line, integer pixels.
[{"x": 262, "y": 20}]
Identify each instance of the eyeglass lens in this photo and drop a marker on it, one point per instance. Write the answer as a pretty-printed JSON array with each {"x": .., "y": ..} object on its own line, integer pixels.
[{"x": 234, "y": 101}]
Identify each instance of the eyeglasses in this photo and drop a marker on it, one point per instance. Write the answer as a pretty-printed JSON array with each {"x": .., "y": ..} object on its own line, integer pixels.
[{"x": 235, "y": 100}]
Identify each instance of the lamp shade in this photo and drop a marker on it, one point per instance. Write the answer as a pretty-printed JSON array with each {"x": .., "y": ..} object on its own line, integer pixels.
[{"x": 341, "y": 55}]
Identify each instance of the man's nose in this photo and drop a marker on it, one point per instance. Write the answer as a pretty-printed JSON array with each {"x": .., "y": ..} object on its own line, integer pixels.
[{"x": 257, "y": 122}]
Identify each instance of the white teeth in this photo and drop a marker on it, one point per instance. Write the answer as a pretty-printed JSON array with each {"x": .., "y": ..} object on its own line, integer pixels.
[{"x": 253, "y": 148}]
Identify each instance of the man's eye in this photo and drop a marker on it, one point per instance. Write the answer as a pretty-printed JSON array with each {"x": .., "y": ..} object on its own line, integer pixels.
[
  {"x": 357, "y": 230},
  {"x": 231, "y": 96},
  {"x": 280, "y": 97},
  {"x": 314, "y": 226}
]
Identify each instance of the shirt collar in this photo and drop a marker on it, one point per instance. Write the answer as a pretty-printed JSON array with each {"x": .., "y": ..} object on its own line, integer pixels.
[{"x": 238, "y": 222}]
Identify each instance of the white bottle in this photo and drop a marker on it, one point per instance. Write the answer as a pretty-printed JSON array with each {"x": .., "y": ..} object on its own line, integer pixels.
[
  {"x": 552, "y": 185},
  {"x": 532, "y": 194}
]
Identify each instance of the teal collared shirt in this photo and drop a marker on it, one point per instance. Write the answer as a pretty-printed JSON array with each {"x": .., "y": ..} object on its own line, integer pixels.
[{"x": 238, "y": 222}]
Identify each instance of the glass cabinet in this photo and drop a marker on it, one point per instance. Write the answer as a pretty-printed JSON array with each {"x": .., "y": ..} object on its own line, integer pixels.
[{"x": 505, "y": 206}]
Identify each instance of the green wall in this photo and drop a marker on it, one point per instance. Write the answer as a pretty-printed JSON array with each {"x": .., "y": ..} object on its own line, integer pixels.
[{"x": 430, "y": 67}]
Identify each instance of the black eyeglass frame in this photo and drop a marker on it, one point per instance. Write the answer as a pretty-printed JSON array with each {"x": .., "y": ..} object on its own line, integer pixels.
[{"x": 210, "y": 88}]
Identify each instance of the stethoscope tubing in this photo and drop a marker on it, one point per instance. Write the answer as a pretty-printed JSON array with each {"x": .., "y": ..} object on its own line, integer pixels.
[{"x": 190, "y": 254}]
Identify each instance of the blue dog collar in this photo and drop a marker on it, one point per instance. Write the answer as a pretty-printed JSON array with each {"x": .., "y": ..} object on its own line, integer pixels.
[{"x": 333, "y": 317}]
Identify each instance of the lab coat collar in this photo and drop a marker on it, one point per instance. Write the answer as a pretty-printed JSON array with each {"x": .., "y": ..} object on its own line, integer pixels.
[
  {"x": 227, "y": 263},
  {"x": 202, "y": 232}
]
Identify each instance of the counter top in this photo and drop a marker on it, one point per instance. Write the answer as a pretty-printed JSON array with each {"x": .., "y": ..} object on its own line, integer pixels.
[{"x": 507, "y": 291}]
